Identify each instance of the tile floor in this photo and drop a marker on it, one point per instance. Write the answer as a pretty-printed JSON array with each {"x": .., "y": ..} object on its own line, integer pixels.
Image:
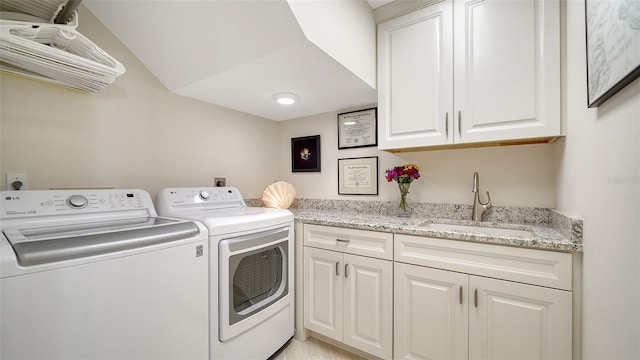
[{"x": 313, "y": 349}]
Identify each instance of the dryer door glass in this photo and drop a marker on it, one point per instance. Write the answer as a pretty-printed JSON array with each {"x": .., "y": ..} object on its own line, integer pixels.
[{"x": 256, "y": 279}]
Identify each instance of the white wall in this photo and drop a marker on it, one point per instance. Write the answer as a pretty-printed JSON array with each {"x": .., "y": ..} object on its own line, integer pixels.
[
  {"x": 598, "y": 166},
  {"x": 514, "y": 175},
  {"x": 133, "y": 134},
  {"x": 352, "y": 22}
]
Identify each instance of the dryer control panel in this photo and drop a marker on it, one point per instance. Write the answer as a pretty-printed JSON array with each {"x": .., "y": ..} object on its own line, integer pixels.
[{"x": 205, "y": 198}]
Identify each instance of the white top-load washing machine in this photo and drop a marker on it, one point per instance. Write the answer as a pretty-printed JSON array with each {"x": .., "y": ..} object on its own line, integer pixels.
[
  {"x": 251, "y": 265},
  {"x": 95, "y": 274}
]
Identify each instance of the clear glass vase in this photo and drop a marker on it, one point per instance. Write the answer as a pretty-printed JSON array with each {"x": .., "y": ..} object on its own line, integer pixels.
[{"x": 404, "y": 208}]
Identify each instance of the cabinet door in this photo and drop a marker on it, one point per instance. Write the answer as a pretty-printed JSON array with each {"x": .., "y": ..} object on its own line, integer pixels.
[
  {"x": 368, "y": 305},
  {"x": 323, "y": 292},
  {"x": 415, "y": 78},
  {"x": 431, "y": 313},
  {"x": 507, "y": 69},
  {"x": 518, "y": 321}
]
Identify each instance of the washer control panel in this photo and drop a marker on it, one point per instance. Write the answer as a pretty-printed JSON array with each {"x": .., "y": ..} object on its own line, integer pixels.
[
  {"x": 77, "y": 201},
  {"x": 188, "y": 199},
  {"x": 204, "y": 195},
  {"x": 54, "y": 202}
]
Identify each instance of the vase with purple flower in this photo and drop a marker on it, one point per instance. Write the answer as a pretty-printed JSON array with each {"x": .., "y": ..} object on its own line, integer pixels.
[{"x": 404, "y": 175}]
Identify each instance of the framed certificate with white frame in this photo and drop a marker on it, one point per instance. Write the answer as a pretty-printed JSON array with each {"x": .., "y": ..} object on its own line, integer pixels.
[{"x": 358, "y": 176}]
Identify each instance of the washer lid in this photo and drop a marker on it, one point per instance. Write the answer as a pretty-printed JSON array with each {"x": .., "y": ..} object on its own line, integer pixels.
[
  {"x": 45, "y": 244},
  {"x": 239, "y": 219}
]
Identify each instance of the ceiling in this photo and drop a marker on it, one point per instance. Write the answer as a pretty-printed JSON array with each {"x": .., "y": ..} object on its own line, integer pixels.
[
  {"x": 238, "y": 54},
  {"x": 377, "y": 3}
]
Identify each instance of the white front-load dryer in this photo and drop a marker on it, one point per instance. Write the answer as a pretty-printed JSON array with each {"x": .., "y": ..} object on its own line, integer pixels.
[{"x": 251, "y": 289}]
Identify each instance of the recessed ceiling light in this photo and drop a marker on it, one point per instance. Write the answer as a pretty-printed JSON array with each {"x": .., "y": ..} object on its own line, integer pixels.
[{"x": 285, "y": 98}]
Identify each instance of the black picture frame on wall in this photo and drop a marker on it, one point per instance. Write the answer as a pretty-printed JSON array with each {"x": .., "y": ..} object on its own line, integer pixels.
[
  {"x": 358, "y": 176},
  {"x": 305, "y": 154},
  {"x": 358, "y": 129},
  {"x": 612, "y": 41}
]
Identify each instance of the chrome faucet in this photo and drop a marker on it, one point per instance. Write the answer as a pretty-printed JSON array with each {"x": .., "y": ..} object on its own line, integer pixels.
[{"x": 478, "y": 207}]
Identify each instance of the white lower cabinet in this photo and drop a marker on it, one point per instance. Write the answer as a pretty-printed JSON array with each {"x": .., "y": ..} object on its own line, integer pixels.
[
  {"x": 444, "y": 314},
  {"x": 368, "y": 305},
  {"x": 323, "y": 292},
  {"x": 518, "y": 321},
  {"x": 429, "y": 320},
  {"x": 412, "y": 297},
  {"x": 348, "y": 297}
]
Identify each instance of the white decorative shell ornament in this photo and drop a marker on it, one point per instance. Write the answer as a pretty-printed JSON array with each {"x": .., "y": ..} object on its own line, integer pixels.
[{"x": 279, "y": 195}]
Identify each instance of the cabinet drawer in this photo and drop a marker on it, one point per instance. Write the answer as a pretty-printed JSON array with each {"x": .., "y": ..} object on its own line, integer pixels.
[
  {"x": 538, "y": 267},
  {"x": 351, "y": 241}
]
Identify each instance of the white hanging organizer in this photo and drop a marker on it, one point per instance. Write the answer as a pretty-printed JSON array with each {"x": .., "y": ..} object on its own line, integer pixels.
[{"x": 38, "y": 39}]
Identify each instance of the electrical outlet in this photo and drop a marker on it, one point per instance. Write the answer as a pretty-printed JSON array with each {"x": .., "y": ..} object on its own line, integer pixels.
[
  {"x": 219, "y": 181},
  {"x": 17, "y": 181}
]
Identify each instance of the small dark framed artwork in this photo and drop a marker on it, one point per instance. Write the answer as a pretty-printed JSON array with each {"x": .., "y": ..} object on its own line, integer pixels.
[{"x": 305, "y": 154}]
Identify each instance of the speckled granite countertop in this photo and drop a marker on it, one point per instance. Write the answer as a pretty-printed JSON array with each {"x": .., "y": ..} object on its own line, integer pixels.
[
  {"x": 549, "y": 229},
  {"x": 544, "y": 237}
]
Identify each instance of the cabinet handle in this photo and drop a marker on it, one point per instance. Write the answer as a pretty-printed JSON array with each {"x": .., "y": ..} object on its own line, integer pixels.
[
  {"x": 459, "y": 123},
  {"x": 475, "y": 298},
  {"x": 446, "y": 122},
  {"x": 346, "y": 270},
  {"x": 338, "y": 268},
  {"x": 460, "y": 295},
  {"x": 342, "y": 240}
]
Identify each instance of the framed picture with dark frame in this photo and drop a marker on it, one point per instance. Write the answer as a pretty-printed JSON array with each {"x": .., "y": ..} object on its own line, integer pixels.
[
  {"x": 358, "y": 176},
  {"x": 305, "y": 154},
  {"x": 358, "y": 129},
  {"x": 613, "y": 40}
]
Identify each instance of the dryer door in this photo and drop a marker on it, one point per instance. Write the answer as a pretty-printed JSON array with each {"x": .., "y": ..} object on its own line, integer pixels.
[{"x": 253, "y": 279}]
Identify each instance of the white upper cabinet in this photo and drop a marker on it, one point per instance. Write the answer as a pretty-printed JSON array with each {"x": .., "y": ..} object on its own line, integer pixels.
[
  {"x": 415, "y": 78},
  {"x": 470, "y": 71},
  {"x": 507, "y": 69}
]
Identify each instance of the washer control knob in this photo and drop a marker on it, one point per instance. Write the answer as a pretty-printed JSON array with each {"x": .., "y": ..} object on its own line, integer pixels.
[
  {"x": 204, "y": 195},
  {"x": 77, "y": 201}
]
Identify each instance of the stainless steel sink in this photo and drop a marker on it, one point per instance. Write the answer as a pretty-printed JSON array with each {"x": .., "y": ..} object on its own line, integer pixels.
[{"x": 482, "y": 230}]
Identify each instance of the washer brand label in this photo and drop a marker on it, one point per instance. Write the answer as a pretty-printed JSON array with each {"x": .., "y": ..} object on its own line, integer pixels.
[
  {"x": 15, "y": 212},
  {"x": 199, "y": 250}
]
